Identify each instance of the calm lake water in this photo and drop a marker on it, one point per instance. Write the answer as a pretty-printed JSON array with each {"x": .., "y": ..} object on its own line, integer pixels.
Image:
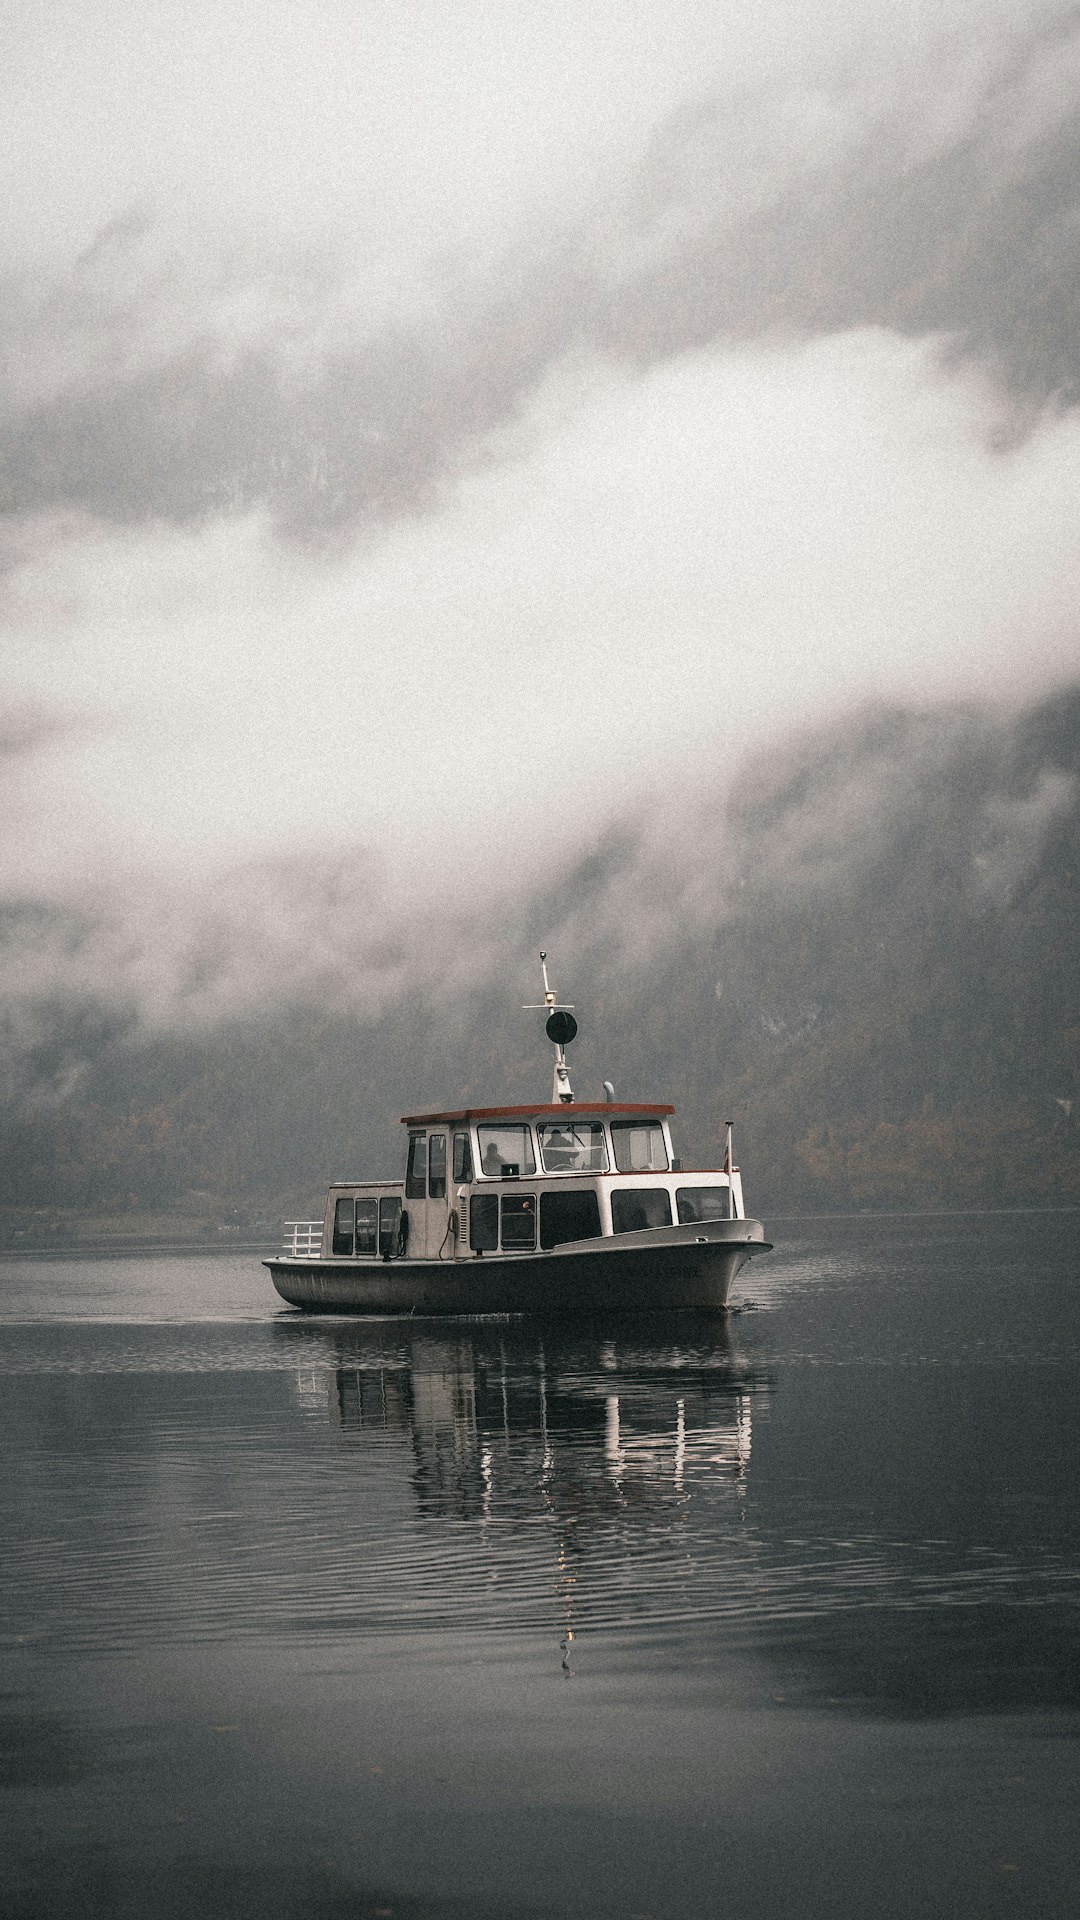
[{"x": 768, "y": 1614}]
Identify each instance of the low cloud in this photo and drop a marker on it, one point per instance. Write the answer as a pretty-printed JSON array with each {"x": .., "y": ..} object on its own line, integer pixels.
[
  {"x": 975, "y": 793},
  {"x": 657, "y": 571},
  {"x": 871, "y": 936},
  {"x": 169, "y": 378},
  {"x": 27, "y": 729},
  {"x": 399, "y": 508}
]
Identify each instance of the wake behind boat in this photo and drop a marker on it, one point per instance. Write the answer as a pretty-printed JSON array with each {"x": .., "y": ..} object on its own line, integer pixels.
[{"x": 565, "y": 1207}]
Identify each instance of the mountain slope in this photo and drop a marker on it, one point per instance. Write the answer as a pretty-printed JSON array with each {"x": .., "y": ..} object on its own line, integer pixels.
[{"x": 865, "y": 954}]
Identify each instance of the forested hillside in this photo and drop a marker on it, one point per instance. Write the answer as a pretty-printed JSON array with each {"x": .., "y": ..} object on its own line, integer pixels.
[{"x": 865, "y": 952}]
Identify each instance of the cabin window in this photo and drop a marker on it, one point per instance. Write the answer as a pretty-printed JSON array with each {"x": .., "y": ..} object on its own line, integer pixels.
[
  {"x": 573, "y": 1215},
  {"x": 503, "y": 1147},
  {"x": 703, "y": 1203},
  {"x": 639, "y": 1146},
  {"x": 389, "y": 1224},
  {"x": 573, "y": 1146},
  {"x": 484, "y": 1222},
  {"x": 462, "y": 1159},
  {"x": 343, "y": 1226},
  {"x": 367, "y": 1214},
  {"x": 518, "y": 1220},
  {"x": 437, "y": 1167},
  {"x": 416, "y": 1171},
  {"x": 635, "y": 1208}
]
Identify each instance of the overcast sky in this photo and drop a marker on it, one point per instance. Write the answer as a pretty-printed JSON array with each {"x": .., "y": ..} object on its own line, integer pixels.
[{"x": 430, "y": 426}]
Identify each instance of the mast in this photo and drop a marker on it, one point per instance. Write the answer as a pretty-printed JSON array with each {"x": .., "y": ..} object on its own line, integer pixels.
[{"x": 560, "y": 1027}]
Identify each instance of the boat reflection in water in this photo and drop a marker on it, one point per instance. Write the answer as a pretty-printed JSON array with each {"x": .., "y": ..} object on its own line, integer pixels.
[{"x": 597, "y": 1476}]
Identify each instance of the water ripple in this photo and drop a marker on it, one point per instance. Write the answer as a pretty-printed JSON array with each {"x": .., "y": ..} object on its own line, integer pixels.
[{"x": 580, "y": 1532}]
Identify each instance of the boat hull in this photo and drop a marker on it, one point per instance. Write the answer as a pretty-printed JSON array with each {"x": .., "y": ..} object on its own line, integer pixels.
[{"x": 662, "y": 1269}]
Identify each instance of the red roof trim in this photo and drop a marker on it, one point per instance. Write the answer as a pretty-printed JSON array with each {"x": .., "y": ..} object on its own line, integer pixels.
[{"x": 616, "y": 1108}]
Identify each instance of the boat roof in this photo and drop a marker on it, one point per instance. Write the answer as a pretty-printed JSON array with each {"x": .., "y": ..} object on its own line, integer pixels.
[{"x": 615, "y": 1109}]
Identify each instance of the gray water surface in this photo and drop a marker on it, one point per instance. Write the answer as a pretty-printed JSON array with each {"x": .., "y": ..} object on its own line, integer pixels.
[{"x": 760, "y": 1614}]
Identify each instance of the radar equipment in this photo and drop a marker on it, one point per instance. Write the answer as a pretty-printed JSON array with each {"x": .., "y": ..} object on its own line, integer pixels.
[{"x": 560, "y": 1027}]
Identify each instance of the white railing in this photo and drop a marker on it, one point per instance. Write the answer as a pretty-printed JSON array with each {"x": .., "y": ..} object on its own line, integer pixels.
[{"x": 301, "y": 1240}]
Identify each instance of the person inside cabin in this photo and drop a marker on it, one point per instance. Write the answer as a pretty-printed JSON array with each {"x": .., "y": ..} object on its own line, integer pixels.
[
  {"x": 559, "y": 1150},
  {"x": 491, "y": 1163}
]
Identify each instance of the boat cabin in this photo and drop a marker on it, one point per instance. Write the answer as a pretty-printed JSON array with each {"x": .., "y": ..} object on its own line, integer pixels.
[{"x": 515, "y": 1180}]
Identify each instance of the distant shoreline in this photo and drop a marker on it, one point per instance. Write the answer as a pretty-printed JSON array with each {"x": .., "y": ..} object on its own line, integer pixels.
[
  {"x": 108, "y": 1238},
  {"x": 39, "y": 1230},
  {"x": 126, "y": 1249}
]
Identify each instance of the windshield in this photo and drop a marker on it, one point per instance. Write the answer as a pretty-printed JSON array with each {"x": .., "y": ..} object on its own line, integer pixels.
[
  {"x": 502, "y": 1147},
  {"x": 639, "y": 1146},
  {"x": 573, "y": 1146}
]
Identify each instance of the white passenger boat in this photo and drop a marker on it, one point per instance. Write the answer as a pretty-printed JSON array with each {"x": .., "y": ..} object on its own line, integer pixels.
[{"x": 565, "y": 1207}]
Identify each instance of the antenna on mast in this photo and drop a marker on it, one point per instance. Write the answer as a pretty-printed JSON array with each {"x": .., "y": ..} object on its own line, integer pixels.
[{"x": 560, "y": 1027}]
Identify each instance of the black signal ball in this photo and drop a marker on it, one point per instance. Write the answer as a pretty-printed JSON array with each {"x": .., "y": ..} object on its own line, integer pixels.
[{"x": 560, "y": 1027}]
